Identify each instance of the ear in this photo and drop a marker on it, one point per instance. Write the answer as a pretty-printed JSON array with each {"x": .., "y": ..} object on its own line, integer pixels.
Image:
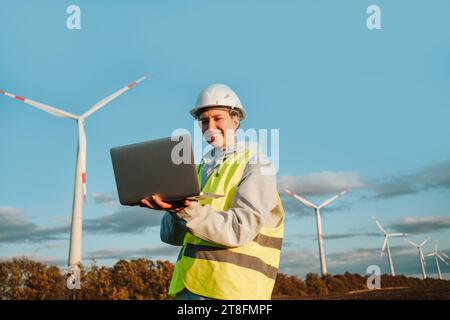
[{"x": 236, "y": 122}]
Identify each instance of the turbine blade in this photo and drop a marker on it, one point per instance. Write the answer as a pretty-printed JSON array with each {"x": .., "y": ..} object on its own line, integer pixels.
[
  {"x": 327, "y": 202},
  {"x": 442, "y": 259},
  {"x": 423, "y": 243},
  {"x": 111, "y": 97},
  {"x": 398, "y": 234},
  {"x": 412, "y": 243},
  {"x": 379, "y": 225},
  {"x": 446, "y": 256},
  {"x": 52, "y": 110},
  {"x": 302, "y": 200}
]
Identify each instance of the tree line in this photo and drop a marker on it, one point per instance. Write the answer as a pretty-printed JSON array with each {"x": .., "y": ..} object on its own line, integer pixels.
[{"x": 22, "y": 278}]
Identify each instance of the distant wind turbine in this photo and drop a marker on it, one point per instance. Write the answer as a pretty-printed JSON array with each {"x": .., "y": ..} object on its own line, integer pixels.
[
  {"x": 80, "y": 173},
  {"x": 323, "y": 263},
  {"x": 437, "y": 255},
  {"x": 421, "y": 257},
  {"x": 386, "y": 244}
]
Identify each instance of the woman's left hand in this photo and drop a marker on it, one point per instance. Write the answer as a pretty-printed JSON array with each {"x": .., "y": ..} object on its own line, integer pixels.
[{"x": 156, "y": 203}]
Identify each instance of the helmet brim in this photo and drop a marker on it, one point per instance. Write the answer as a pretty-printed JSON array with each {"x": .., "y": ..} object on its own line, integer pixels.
[{"x": 195, "y": 112}]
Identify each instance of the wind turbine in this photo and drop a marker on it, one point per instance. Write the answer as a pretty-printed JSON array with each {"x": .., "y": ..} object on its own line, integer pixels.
[
  {"x": 80, "y": 171},
  {"x": 386, "y": 244},
  {"x": 323, "y": 263},
  {"x": 421, "y": 257},
  {"x": 437, "y": 255}
]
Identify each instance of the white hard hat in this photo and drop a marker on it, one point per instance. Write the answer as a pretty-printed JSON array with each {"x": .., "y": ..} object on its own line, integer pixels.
[{"x": 218, "y": 95}]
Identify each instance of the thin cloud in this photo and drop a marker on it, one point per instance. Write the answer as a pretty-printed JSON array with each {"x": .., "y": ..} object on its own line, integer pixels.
[
  {"x": 357, "y": 260},
  {"x": 427, "y": 224},
  {"x": 126, "y": 220},
  {"x": 432, "y": 177},
  {"x": 436, "y": 176},
  {"x": 165, "y": 250},
  {"x": 110, "y": 199},
  {"x": 301, "y": 262},
  {"x": 333, "y": 236},
  {"x": 49, "y": 260},
  {"x": 317, "y": 184},
  {"x": 50, "y": 246},
  {"x": 322, "y": 183},
  {"x": 106, "y": 254},
  {"x": 393, "y": 186},
  {"x": 350, "y": 235},
  {"x": 298, "y": 262},
  {"x": 15, "y": 227}
]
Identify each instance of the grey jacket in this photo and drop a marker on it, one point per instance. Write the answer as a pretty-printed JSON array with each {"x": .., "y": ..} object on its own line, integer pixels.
[{"x": 255, "y": 205}]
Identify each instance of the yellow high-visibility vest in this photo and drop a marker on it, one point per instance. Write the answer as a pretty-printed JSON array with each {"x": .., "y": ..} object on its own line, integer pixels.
[{"x": 212, "y": 270}]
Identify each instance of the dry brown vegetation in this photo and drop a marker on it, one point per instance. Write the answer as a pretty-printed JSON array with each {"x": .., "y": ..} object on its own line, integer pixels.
[{"x": 145, "y": 279}]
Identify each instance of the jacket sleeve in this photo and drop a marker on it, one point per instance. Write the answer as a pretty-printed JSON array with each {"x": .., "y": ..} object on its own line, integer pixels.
[
  {"x": 172, "y": 230},
  {"x": 253, "y": 202}
]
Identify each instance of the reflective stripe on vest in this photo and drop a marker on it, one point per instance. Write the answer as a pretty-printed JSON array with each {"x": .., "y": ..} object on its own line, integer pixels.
[
  {"x": 216, "y": 271},
  {"x": 224, "y": 255}
]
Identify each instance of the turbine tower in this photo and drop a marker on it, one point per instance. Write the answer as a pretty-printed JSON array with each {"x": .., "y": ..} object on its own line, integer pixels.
[
  {"x": 386, "y": 244},
  {"x": 80, "y": 171},
  {"x": 421, "y": 257},
  {"x": 437, "y": 255},
  {"x": 323, "y": 263}
]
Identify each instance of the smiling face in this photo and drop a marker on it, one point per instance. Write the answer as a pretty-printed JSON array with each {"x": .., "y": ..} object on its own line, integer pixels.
[{"x": 218, "y": 126}]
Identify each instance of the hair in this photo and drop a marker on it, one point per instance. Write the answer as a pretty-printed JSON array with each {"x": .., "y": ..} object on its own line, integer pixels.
[{"x": 232, "y": 113}]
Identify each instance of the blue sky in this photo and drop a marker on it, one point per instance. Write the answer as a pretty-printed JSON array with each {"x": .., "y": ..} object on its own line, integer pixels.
[{"x": 360, "y": 109}]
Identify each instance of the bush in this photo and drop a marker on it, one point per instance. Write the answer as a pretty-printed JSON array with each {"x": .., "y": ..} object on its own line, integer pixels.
[
  {"x": 315, "y": 285},
  {"x": 336, "y": 284},
  {"x": 135, "y": 279},
  {"x": 289, "y": 287}
]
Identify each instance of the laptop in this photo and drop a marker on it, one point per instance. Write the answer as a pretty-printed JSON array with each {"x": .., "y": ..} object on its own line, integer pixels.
[{"x": 165, "y": 167}]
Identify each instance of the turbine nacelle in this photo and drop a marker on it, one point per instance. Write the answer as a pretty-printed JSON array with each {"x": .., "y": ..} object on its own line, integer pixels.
[
  {"x": 419, "y": 246},
  {"x": 312, "y": 205}
]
